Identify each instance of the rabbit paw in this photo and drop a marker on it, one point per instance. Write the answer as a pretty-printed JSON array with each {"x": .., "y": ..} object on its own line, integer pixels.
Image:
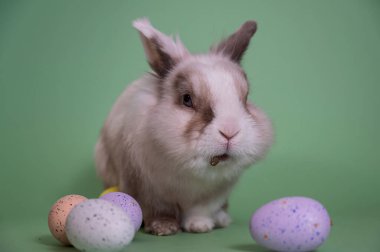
[
  {"x": 199, "y": 224},
  {"x": 164, "y": 226},
  {"x": 222, "y": 219}
]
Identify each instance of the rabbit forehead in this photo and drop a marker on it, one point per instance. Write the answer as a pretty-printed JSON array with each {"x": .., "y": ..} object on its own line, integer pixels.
[{"x": 215, "y": 76}]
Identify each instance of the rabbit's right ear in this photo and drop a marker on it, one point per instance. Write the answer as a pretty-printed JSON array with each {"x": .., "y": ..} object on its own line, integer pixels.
[
  {"x": 236, "y": 44},
  {"x": 162, "y": 51}
]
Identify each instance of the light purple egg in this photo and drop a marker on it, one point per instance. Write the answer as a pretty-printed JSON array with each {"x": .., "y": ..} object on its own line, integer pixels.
[
  {"x": 129, "y": 204},
  {"x": 291, "y": 224},
  {"x": 99, "y": 225}
]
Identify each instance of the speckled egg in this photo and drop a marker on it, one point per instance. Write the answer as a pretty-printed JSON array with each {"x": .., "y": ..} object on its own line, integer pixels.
[
  {"x": 58, "y": 215},
  {"x": 99, "y": 225},
  {"x": 291, "y": 224},
  {"x": 129, "y": 204}
]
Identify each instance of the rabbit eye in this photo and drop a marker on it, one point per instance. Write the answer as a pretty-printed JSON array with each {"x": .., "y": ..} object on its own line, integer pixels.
[{"x": 186, "y": 100}]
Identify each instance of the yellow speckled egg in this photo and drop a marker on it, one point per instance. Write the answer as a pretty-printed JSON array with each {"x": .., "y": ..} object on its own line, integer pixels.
[
  {"x": 58, "y": 215},
  {"x": 109, "y": 190}
]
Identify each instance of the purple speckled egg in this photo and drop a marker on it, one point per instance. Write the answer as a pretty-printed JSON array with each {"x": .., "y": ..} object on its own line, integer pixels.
[
  {"x": 291, "y": 224},
  {"x": 129, "y": 204}
]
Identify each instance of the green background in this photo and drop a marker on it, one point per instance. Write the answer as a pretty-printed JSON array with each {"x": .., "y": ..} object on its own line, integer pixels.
[{"x": 314, "y": 67}]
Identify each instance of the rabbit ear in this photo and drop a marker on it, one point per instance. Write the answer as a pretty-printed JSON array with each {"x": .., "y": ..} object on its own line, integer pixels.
[
  {"x": 236, "y": 44},
  {"x": 162, "y": 51}
]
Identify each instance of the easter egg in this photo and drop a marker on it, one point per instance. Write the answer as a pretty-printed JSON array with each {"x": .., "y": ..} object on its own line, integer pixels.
[
  {"x": 99, "y": 225},
  {"x": 108, "y": 190},
  {"x": 58, "y": 216},
  {"x": 291, "y": 224},
  {"x": 129, "y": 204}
]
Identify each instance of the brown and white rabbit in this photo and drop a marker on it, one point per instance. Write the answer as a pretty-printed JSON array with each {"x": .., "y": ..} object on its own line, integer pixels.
[{"x": 178, "y": 139}]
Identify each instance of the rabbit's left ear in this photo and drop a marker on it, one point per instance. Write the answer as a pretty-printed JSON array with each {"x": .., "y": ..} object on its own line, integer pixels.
[
  {"x": 236, "y": 44},
  {"x": 162, "y": 51}
]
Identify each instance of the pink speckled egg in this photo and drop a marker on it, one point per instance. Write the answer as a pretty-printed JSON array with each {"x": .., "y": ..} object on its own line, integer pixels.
[
  {"x": 129, "y": 204},
  {"x": 291, "y": 224},
  {"x": 58, "y": 215}
]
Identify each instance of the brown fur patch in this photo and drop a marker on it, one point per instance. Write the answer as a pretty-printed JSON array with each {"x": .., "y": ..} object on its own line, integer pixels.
[
  {"x": 182, "y": 86},
  {"x": 201, "y": 99}
]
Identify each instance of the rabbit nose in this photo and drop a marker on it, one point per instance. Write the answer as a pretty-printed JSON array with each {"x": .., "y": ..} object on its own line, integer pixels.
[{"x": 228, "y": 134}]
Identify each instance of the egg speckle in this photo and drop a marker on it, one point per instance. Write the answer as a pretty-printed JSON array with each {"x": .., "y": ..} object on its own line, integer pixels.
[
  {"x": 58, "y": 216},
  {"x": 99, "y": 225},
  {"x": 291, "y": 224},
  {"x": 129, "y": 204}
]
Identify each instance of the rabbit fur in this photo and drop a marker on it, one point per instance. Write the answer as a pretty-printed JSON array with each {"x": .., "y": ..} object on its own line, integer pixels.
[{"x": 178, "y": 138}]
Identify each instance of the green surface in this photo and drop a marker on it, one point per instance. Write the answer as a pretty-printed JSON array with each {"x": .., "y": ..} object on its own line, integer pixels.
[{"x": 314, "y": 67}]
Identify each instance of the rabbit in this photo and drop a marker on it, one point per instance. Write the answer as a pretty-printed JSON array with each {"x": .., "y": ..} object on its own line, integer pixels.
[{"x": 178, "y": 138}]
